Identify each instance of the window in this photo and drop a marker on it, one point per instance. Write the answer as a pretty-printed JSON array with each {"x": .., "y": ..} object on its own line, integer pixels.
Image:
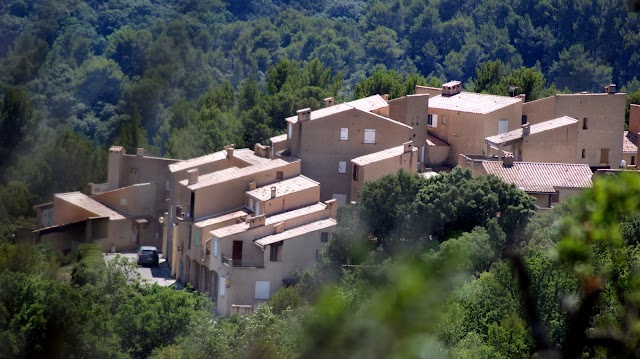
[
  {"x": 344, "y": 134},
  {"x": 604, "y": 155},
  {"x": 289, "y": 131},
  {"x": 279, "y": 175},
  {"x": 251, "y": 204},
  {"x": 123, "y": 202},
  {"x": 275, "y": 252},
  {"x": 584, "y": 124},
  {"x": 222, "y": 285},
  {"x": 324, "y": 237},
  {"x": 355, "y": 172},
  {"x": 262, "y": 290},
  {"x": 432, "y": 120},
  {"x": 258, "y": 208},
  {"x": 198, "y": 235},
  {"x": 524, "y": 119},
  {"x": 369, "y": 136},
  {"x": 444, "y": 120},
  {"x": 503, "y": 126},
  {"x": 215, "y": 247},
  {"x": 342, "y": 167},
  {"x": 633, "y": 160},
  {"x": 584, "y": 153},
  {"x": 317, "y": 255}
]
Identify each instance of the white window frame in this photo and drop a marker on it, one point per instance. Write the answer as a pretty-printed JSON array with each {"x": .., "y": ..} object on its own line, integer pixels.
[
  {"x": 432, "y": 120},
  {"x": 342, "y": 166},
  {"x": 344, "y": 134},
  {"x": 370, "y": 135},
  {"x": 262, "y": 290},
  {"x": 501, "y": 125},
  {"x": 222, "y": 286},
  {"x": 289, "y": 130}
]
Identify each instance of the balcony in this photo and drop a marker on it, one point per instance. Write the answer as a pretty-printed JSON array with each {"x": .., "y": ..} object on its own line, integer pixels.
[
  {"x": 241, "y": 310},
  {"x": 241, "y": 263},
  {"x": 96, "y": 188}
]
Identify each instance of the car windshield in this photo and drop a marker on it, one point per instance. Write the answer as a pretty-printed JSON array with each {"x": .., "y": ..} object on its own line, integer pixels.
[{"x": 146, "y": 252}]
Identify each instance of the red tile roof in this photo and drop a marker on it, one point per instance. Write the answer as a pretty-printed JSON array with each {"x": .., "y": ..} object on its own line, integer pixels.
[
  {"x": 629, "y": 143},
  {"x": 541, "y": 177}
]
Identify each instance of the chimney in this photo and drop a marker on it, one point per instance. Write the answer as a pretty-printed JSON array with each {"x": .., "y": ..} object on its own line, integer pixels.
[
  {"x": 332, "y": 207},
  {"x": 451, "y": 88},
  {"x": 304, "y": 115},
  {"x": 273, "y": 192},
  {"x": 229, "y": 149},
  {"x": 256, "y": 221},
  {"x": 329, "y": 101},
  {"x": 610, "y": 89},
  {"x": 252, "y": 185},
  {"x": 522, "y": 96},
  {"x": 408, "y": 146},
  {"x": 507, "y": 159},
  {"x": 385, "y": 97},
  {"x": 115, "y": 166},
  {"x": 634, "y": 118},
  {"x": 140, "y": 152},
  {"x": 526, "y": 129},
  {"x": 193, "y": 176}
]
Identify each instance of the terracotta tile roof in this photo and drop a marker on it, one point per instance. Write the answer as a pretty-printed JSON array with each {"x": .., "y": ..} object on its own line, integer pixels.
[
  {"x": 83, "y": 201},
  {"x": 366, "y": 104},
  {"x": 541, "y": 177},
  {"x": 435, "y": 141},
  {"x": 472, "y": 102},
  {"x": 296, "y": 232},
  {"x": 380, "y": 155},
  {"x": 281, "y": 217},
  {"x": 295, "y": 184},
  {"x": 533, "y": 129},
  {"x": 629, "y": 143}
]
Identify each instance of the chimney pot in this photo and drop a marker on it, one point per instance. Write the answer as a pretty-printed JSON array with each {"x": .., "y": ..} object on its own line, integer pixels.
[
  {"x": 329, "y": 101},
  {"x": 193, "y": 176},
  {"x": 522, "y": 96},
  {"x": 526, "y": 129},
  {"x": 408, "y": 146},
  {"x": 273, "y": 192},
  {"x": 507, "y": 159},
  {"x": 304, "y": 115},
  {"x": 140, "y": 152},
  {"x": 252, "y": 185},
  {"x": 385, "y": 97},
  {"x": 229, "y": 149}
]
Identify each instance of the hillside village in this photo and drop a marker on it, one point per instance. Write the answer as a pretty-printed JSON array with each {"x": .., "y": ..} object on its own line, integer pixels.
[{"x": 238, "y": 223}]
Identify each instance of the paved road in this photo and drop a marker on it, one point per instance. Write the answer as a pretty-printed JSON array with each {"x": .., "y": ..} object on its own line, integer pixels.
[{"x": 160, "y": 274}]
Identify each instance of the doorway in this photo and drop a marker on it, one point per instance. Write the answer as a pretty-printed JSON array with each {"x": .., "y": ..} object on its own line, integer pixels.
[{"x": 236, "y": 255}]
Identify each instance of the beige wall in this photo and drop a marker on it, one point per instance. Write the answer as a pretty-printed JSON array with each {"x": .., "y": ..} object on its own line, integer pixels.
[
  {"x": 227, "y": 195},
  {"x": 412, "y": 111},
  {"x": 290, "y": 201},
  {"x": 321, "y": 148},
  {"x": 557, "y": 145},
  {"x": 605, "y": 122},
  {"x": 437, "y": 155},
  {"x": 297, "y": 253},
  {"x": 138, "y": 200},
  {"x": 408, "y": 161}
]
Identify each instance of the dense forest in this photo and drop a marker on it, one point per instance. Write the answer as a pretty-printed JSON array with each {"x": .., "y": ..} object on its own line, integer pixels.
[{"x": 185, "y": 77}]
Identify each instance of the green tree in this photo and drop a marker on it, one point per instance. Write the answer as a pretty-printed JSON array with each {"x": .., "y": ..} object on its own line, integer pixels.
[{"x": 578, "y": 71}]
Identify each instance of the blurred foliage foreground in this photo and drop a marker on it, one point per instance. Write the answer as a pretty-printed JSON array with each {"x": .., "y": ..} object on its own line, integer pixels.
[{"x": 565, "y": 286}]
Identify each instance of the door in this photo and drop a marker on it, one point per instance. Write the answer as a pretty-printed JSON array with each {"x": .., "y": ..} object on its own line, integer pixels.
[{"x": 237, "y": 251}]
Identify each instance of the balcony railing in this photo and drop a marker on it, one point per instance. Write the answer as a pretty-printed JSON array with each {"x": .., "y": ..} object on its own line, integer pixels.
[
  {"x": 241, "y": 309},
  {"x": 96, "y": 188},
  {"x": 240, "y": 263}
]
